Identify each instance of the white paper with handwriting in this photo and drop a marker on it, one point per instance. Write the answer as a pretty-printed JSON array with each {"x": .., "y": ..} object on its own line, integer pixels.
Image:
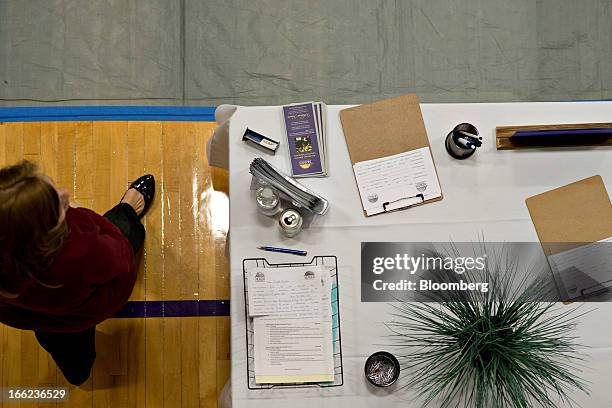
[
  {"x": 586, "y": 269},
  {"x": 292, "y": 324},
  {"x": 393, "y": 182}
]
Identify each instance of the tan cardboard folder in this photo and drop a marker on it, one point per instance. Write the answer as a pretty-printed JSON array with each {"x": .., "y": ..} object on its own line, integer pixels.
[
  {"x": 385, "y": 128},
  {"x": 580, "y": 212}
]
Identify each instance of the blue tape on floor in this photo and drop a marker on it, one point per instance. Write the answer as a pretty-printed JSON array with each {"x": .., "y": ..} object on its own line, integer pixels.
[
  {"x": 174, "y": 308},
  {"x": 75, "y": 113}
]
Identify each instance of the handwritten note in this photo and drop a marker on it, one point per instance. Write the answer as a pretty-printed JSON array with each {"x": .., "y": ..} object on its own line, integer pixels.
[
  {"x": 397, "y": 181},
  {"x": 277, "y": 291},
  {"x": 293, "y": 336},
  {"x": 586, "y": 269}
]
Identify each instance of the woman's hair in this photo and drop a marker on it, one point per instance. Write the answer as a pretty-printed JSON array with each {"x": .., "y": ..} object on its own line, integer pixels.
[{"x": 30, "y": 235}]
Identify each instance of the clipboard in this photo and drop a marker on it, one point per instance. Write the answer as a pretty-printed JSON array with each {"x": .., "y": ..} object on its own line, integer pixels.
[
  {"x": 567, "y": 216},
  {"x": 386, "y": 128},
  {"x": 572, "y": 216}
]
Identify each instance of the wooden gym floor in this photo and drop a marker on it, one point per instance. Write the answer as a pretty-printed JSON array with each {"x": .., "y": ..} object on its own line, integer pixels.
[{"x": 142, "y": 362}]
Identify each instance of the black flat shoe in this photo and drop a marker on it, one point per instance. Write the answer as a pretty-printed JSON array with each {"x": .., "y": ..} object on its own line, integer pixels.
[{"x": 145, "y": 185}]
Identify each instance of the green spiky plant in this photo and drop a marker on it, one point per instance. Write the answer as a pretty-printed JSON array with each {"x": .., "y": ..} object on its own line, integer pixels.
[{"x": 503, "y": 348}]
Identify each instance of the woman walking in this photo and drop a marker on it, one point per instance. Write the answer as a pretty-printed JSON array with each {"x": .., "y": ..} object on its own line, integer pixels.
[{"x": 63, "y": 270}]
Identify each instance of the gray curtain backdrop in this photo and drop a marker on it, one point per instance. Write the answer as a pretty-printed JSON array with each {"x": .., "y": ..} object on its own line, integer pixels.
[{"x": 194, "y": 52}]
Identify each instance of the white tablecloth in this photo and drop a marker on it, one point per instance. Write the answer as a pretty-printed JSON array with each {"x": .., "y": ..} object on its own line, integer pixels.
[{"x": 492, "y": 184}]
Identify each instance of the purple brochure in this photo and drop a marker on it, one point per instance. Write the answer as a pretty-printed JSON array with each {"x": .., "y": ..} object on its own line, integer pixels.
[{"x": 302, "y": 139}]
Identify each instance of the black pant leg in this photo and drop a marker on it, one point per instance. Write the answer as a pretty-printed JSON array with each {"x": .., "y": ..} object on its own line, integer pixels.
[
  {"x": 125, "y": 218},
  {"x": 74, "y": 353}
]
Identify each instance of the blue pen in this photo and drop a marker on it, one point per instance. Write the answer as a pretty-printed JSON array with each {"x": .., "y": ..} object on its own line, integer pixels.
[{"x": 283, "y": 250}]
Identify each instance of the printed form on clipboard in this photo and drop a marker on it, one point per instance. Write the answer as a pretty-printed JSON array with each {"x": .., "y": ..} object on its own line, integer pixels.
[
  {"x": 398, "y": 181},
  {"x": 390, "y": 153}
]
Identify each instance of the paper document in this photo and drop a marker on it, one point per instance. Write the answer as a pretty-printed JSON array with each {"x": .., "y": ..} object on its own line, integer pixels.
[
  {"x": 294, "y": 344},
  {"x": 276, "y": 292},
  {"x": 586, "y": 269},
  {"x": 305, "y": 128},
  {"x": 397, "y": 181}
]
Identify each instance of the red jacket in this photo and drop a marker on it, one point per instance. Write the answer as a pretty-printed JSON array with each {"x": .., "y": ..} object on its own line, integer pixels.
[{"x": 97, "y": 272}]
